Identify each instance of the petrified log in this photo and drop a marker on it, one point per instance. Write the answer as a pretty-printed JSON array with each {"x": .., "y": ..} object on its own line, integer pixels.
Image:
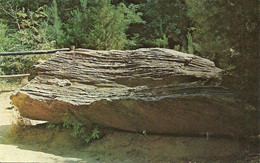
[{"x": 153, "y": 90}]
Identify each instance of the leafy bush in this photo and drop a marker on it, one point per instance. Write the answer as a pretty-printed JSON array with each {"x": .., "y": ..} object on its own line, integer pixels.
[{"x": 30, "y": 35}]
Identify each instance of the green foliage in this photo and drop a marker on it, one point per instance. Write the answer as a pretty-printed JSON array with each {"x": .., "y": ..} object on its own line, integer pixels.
[
  {"x": 177, "y": 47},
  {"x": 5, "y": 41},
  {"x": 80, "y": 131},
  {"x": 91, "y": 24},
  {"x": 50, "y": 126},
  {"x": 161, "y": 42},
  {"x": 110, "y": 24},
  {"x": 54, "y": 26},
  {"x": 190, "y": 44},
  {"x": 227, "y": 32},
  {"x": 13, "y": 65},
  {"x": 67, "y": 123},
  {"x": 30, "y": 35},
  {"x": 32, "y": 30},
  {"x": 166, "y": 24}
]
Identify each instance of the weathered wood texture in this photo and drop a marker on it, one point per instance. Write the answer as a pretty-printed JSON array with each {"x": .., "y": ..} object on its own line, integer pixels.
[{"x": 153, "y": 90}]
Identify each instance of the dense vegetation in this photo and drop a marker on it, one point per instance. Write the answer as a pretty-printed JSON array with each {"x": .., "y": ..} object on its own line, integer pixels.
[{"x": 225, "y": 31}]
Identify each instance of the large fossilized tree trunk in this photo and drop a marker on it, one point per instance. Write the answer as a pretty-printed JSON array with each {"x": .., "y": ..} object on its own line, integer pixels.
[{"x": 153, "y": 90}]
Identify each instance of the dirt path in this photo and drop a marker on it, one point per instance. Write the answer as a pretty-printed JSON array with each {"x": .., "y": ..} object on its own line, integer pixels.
[
  {"x": 12, "y": 153},
  {"x": 6, "y": 116}
]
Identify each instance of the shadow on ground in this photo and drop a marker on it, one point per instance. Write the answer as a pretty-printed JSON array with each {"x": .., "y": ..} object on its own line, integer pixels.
[
  {"x": 118, "y": 146},
  {"x": 3, "y": 131}
]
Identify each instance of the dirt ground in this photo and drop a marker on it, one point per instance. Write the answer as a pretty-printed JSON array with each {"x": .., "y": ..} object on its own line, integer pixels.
[
  {"x": 39, "y": 144},
  {"x": 14, "y": 153}
]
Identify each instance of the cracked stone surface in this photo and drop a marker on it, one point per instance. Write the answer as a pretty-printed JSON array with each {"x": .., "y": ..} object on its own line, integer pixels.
[{"x": 154, "y": 90}]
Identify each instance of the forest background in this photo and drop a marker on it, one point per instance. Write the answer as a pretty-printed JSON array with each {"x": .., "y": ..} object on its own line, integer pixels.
[{"x": 224, "y": 31}]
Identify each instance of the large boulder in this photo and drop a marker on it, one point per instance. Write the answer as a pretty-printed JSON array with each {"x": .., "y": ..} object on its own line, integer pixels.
[{"x": 145, "y": 90}]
